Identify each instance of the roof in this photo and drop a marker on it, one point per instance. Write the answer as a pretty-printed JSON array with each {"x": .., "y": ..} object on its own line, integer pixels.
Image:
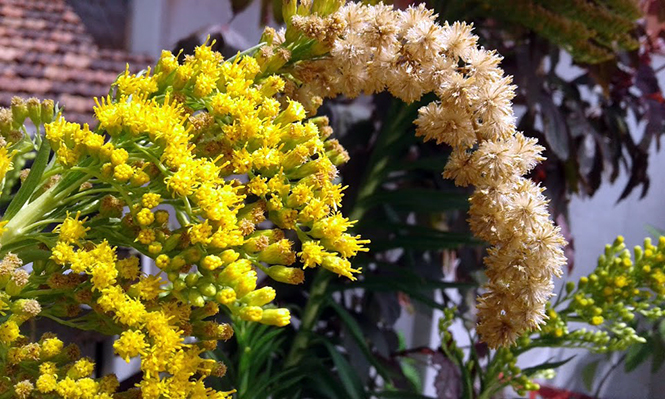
[{"x": 46, "y": 52}]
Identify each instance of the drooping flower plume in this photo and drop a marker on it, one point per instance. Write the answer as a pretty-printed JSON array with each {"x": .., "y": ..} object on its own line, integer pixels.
[{"x": 376, "y": 48}]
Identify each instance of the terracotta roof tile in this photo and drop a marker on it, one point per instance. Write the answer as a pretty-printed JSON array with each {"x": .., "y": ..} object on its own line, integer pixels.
[{"x": 46, "y": 52}]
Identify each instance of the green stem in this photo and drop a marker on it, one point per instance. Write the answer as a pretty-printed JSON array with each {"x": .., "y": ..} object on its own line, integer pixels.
[
  {"x": 188, "y": 208},
  {"x": 378, "y": 162},
  {"x": 43, "y": 222},
  {"x": 61, "y": 321},
  {"x": 182, "y": 217},
  {"x": 15, "y": 228},
  {"x": 246, "y": 52},
  {"x": 88, "y": 192},
  {"x": 258, "y": 264},
  {"x": 488, "y": 392},
  {"x": 309, "y": 318},
  {"x": 50, "y": 173},
  {"x": 18, "y": 225},
  {"x": 607, "y": 375},
  {"x": 243, "y": 375},
  {"x": 152, "y": 158},
  {"x": 51, "y": 291}
]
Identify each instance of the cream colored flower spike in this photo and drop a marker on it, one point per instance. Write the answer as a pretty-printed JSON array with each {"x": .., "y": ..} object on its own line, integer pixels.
[{"x": 378, "y": 48}]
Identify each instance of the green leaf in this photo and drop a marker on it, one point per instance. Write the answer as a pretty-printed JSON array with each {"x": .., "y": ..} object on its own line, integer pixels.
[
  {"x": 431, "y": 163},
  {"x": 357, "y": 334},
  {"x": 661, "y": 329},
  {"x": 34, "y": 255},
  {"x": 321, "y": 380},
  {"x": 286, "y": 382},
  {"x": 589, "y": 373},
  {"x": 423, "y": 242},
  {"x": 418, "y": 200},
  {"x": 353, "y": 385},
  {"x": 636, "y": 355},
  {"x": 411, "y": 373},
  {"x": 31, "y": 182},
  {"x": 545, "y": 366},
  {"x": 554, "y": 128},
  {"x": 658, "y": 353},
  {"x": 654, "y": 231}
]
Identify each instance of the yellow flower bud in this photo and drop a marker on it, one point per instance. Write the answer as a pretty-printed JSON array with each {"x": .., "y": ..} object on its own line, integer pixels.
[
  {"x": 287, "y": 275},
  {"x": 276, "y": 317}
]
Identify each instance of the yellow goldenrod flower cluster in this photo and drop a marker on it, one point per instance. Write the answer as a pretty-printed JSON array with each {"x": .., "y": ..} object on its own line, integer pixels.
[
  {"x": 207, "y": 168},
  {"x": 376, "y": 48},
  {"x": 622, "y": 287},
  {"x": 615, "y": 308}
]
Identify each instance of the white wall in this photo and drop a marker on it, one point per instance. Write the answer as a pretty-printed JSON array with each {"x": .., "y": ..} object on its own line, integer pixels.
[{"x": 159, "y": 24}]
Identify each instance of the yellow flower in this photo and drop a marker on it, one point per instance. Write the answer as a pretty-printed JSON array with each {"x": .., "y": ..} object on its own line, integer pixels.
[
  {"x": 183, "y": 182},
  {"x": 81, "y": 368},
  {"x": 123, "y": 172},
  {"x": 128, "y": 268},
  {"x": 294, "y": 112},
  {"x": 145, "y": 217},
  {"x": 130, "y": 344},
  {"x": 148, "y": 287},
  {"x": 331, "y": 227},
  {"x": 135, "y": 84},
  {"x": 119, "y": 156},
  {"x": 23, "y": 389},
  {"x": 204, "y": 85},
  {"x": 251, "y": 313},
  {"x": 51, "y": 347},
  {"x": 5, "y": 161},
  {"x": 103, "y": 274},
  {"x": 63, "y": 253},
  {"x": 9, "y": 332},
  {"x": 287, "y": 275},
  {"x": 67, "y": 388},
  {"x": 226, "y": 296},
  {"x": 312, "y": 254},
  {"x": 276, "y": 317},
  {"x": 46, "y": 383},
  {"x": 200, "y": 233},
  {"x": 71, "y": 230},
  {"x": 212, "y": 262},
  {"x": 258, "y": 186},
  {"x": 347, "y": 245},
  {"x": 339, "y": 266},
  {"x": 146, "y": 236},
  {"x": 109, "y": 115},
  {"x": 130, "y": 312},
  {"x": 150, "y": 200},
  {"x": 259, "y": 297},
  {"x": 167, "y": 63}
]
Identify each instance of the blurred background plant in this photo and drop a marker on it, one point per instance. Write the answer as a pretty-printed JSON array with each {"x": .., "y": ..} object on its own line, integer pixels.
[
  {"x": 587, "y": 90},
  {"x": 618, "y": 308}
]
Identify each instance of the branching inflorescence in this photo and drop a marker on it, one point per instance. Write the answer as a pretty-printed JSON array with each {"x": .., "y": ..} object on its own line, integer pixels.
[
  {"x": 213, "y": 169},
  {"x": 376, "y": 48}
]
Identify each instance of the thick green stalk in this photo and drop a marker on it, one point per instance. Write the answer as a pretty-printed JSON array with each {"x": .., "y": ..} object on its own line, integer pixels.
[
  {"x": 38, "y": 209},
  {"x": 309, "y": 317},
  {"x": 27, "y": 216}
]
